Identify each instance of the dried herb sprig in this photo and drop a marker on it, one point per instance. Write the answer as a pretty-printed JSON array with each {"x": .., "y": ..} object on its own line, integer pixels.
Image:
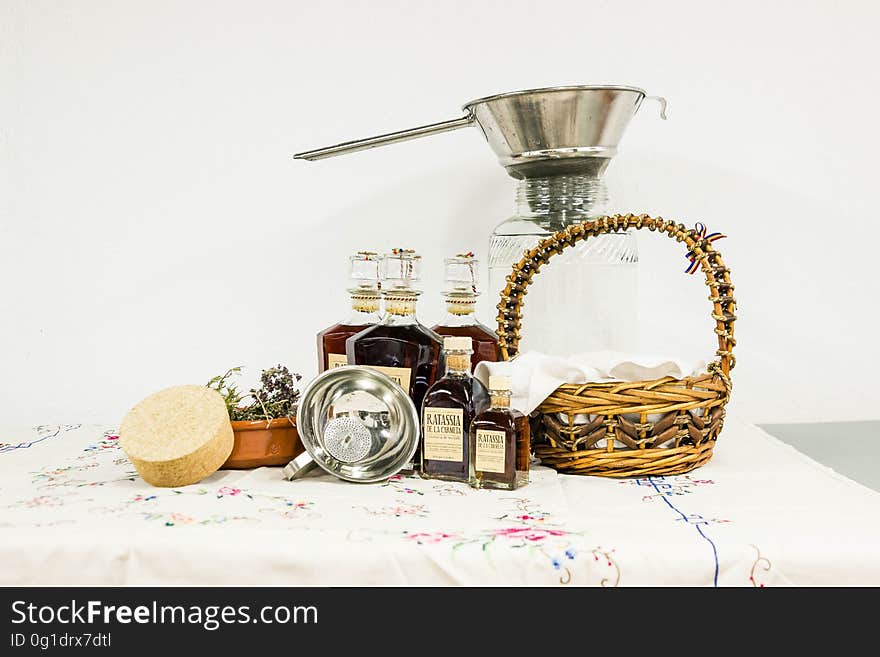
[{"x": 277, "y": 396}]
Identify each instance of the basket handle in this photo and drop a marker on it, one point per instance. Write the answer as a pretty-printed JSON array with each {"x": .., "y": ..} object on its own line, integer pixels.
[{"x": 717, "y": 278}]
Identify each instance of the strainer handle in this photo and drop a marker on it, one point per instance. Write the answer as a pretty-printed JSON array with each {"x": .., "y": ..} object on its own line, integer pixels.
[
  {"x": 299, "y": 467},
  {"x": 717, "y": 278},
  {"x": 381, "y": 140},
  {"x": 662, "y": 101}
]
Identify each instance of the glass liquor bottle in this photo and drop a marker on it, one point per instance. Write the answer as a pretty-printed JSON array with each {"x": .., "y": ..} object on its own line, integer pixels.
[
  {"x": 499, "y": 442},
  {"x": 460, "y": 290},
  {"x": 447, "y": 411},
  {"x": 364, "y": 274},
  {"x": 594, "y": 284},
  {"x": 400, "y": 346}
]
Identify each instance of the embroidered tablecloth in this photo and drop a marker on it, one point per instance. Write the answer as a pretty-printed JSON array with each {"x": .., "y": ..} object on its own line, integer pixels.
[{"x": 73, "y": 511}]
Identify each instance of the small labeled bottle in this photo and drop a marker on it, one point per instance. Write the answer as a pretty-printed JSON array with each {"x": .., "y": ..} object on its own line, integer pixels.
[
  {"x": 499, "y": 442},
  {"x": 399, "y": 346},
  {"x": 460, "y": 291},
  {"x": 364, "y": 274},
  {"x": 449, "y": 407}
]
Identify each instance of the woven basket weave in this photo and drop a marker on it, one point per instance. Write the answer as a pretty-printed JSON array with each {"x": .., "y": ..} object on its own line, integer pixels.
[{"x": 660, "y": 427}]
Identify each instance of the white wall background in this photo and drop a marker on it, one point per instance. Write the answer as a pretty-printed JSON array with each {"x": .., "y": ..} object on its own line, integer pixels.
[{"x": 155, "y": 230}]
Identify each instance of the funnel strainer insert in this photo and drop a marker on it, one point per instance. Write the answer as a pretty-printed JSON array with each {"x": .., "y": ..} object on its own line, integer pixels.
[{"x": 346, "y": 439}]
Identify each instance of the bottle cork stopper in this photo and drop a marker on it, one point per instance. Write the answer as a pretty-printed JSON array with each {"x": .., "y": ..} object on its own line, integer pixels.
[
  {"x": 177, "y": 436},
  {"x": 458, "y": 343},
  {"x": 499, "y": 382}
]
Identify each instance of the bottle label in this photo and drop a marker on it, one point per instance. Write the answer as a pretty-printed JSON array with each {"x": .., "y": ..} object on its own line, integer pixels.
[
  {"x": 444, "y": 434},
  {"x": 336, "y": 360},
  {"x": 490, "y": 451},
  {"x": 400, "y": 375}
]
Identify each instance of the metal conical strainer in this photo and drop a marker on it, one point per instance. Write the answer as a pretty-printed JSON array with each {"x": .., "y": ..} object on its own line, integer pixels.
[
  {"x": 537, "y": 132},
  {"x": 357, "y": 424}
]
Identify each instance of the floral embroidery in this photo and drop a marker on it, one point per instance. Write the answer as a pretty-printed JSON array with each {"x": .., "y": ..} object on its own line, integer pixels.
[
  {"x": 565, "y": 578},
  {"x": 292, "y": 510},
  {"x": 599, "y": 553},
  {"x": 297, "y": 511},
  {"x": 395, "y": 482},
  {"x": 667, "y": 486},
  {"x": 664, "y": 488},
  {"x": 450, "y": 489},
  {"x": 760, "y": 562},
  {"x": 175, "y": 519},
  {"x": 109, "y": 441},
  {"x": 526, "y": 526},
  {"x": 227, "y": 491},
  {"x": 44, "y": 432},
  {"x": 527, "y": 533},
  {"x": 61, "y": 477},
  {"x": 90, "y": 459},
  {"x": 402, "y": 511},
  {"x": 428, "y": 538},
  {"x": 43, "y": 500},
  {"x": 399, "y": 510}
]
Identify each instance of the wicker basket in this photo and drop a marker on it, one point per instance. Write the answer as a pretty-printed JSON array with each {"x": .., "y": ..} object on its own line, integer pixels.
[{"x": 620, "y": 439}]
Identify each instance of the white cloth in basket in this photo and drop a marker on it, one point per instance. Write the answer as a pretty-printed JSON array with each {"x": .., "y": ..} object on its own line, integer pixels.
[{"x": 535, "y": 375}]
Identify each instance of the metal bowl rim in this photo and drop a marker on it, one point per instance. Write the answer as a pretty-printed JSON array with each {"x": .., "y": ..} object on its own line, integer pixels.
[
  {"x": 467, "y": 107},
  {"x": 410, "y": 407}
]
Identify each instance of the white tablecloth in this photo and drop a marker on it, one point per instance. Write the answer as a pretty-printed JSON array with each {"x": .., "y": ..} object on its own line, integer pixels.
[{"x": 73, "y": 511}]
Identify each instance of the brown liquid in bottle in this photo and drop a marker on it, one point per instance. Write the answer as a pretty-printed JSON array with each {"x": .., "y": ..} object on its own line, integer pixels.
[
  {"x": 485, "y": 340},
  {"x": 331, "y": 342},
  {"x": 515, "y": 429},
  {"x": 365, "y": 277},
  {"x": 450, "y": 406},
  {"x": 410, "y": 346},
  {"x": 460, "y": 294}
]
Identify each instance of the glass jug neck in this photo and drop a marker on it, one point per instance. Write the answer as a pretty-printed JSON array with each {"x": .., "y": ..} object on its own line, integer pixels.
[
  {"x": 458, "y": 363},
  {"x": 457, "y": 320},
  {"x": 400, "y": 308},
  {"x": 462, "y": 306},
  {"x": 568, "y": 198},
  {"x": 364, "y": 309},
  {"x": 500, "y": 399}
]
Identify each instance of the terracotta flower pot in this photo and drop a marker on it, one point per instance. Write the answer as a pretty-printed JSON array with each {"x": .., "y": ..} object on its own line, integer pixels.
[{"x": 260, "y": 442}]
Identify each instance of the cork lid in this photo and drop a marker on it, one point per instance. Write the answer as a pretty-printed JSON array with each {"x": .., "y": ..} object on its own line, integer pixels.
[
  {"x": 499, "y": 382},
  {"x": 177, "y": 436},
  {"x": 458, "y": 343}
]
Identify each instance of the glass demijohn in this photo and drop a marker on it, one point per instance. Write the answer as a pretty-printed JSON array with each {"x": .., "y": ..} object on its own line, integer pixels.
[{"x": 585, "y": 298}]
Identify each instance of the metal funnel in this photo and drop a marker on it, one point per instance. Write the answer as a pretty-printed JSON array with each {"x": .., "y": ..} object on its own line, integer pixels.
[{"x": 535, "y": 133}]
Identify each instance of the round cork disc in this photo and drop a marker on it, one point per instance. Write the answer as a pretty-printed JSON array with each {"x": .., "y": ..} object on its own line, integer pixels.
[{"x": 177, "y": 436}]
